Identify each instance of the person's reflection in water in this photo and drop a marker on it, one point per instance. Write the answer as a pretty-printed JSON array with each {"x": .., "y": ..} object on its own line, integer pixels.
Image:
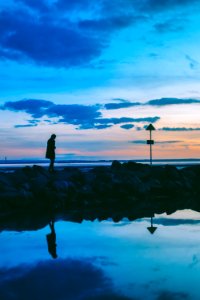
[{"x": 51, "y": 240}]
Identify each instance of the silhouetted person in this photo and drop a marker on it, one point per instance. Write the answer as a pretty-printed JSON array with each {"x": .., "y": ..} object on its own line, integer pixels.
[
  {"x": 50, "y": 152},
  {"x": 51, "y": 240}
]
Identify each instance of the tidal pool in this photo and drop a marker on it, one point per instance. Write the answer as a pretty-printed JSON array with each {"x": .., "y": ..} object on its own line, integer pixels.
[{"x": 104, "y": 260}]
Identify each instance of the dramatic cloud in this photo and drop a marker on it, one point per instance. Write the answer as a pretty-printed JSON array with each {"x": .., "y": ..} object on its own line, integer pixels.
[
  {"x": 44, "y": 32},
  {"x": 153, "y": 102},
  {"x": 171, "y": 101},
  {"x": 70, "y": 114},
  {"x": 26, "y": 125},
  {"x": 82, "y": 116},
  {"x": 127, "y": 120},
  {"x": 36, "y": 108},
  {"x": 121, "y": 105},
  {"x": 45, "y": 42},
  {"x": 151, "y": 5},
  {"x": 60, "y": 279},
  {"x": 127, "y": 126},
  {"x": 74, "y": 113},
  {"x": 108, "y": 122},
  {"x": 106, "y": 25},
  {"x": 146, "y": 6},
  {"x": 89, "y": 116},
  {"x": 139, "y": 142},
  {"x": 72, "y": 33},
  {"x": 179, "y": 129}
]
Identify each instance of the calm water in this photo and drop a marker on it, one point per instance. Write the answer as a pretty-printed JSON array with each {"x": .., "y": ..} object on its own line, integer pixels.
[
  {"x": 11, "y": 166},
  {"x": 104, "y": 260},
  {"x": 15, "y": 165}
]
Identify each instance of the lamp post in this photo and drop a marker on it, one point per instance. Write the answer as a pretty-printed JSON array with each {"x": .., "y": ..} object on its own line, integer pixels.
[{"x": 150, "y": 141}]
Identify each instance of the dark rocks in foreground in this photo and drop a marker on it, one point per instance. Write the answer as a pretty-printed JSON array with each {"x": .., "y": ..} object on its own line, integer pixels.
[{"x": 129, "y": 189}]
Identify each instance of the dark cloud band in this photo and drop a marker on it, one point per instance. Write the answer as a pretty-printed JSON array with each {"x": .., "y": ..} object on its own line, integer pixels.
[
  {"x": 44, "y": 32},
  {"x": 154, "y": 102},
  {"x": 82, "y": 116},
  {"x": 171, "y": 101},
  {"x": 180, "y": 129}
]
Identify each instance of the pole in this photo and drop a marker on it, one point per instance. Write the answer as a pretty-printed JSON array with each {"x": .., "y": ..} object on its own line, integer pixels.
[
  {"x": 150, "y": 150},
  {"x": 150, "y": 142}
]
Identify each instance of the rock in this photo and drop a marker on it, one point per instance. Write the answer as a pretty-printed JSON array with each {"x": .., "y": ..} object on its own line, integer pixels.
[
  {"x": 38, "y": 184},
  {"x": 142, "y": 188},
  {"x": 61, "y": 186},
  {"x": 116, "y": 165},
  {"x": 5, "y": 182}
]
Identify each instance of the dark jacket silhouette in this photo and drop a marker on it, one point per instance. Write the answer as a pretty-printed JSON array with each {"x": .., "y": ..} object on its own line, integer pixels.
[{"x": 50, "y": 152}]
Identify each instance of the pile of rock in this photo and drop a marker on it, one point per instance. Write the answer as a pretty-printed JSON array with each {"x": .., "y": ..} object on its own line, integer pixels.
[{"x": 120, "y": 187}]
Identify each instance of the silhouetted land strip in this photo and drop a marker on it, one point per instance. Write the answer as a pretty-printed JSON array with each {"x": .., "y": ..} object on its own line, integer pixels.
[
  {"x": 12, "y": 165},
  {"x": 131, "y": 190}
]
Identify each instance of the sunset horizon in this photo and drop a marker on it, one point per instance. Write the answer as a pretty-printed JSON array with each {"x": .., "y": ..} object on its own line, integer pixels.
[{"x": 96, "y": 75}]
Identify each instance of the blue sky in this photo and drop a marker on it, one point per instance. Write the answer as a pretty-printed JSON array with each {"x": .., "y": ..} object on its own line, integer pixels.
[{"x": 96, "y": 73}]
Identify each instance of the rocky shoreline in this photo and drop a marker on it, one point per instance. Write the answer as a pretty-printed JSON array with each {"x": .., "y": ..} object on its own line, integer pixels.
[{"x": 128, "y": 189}]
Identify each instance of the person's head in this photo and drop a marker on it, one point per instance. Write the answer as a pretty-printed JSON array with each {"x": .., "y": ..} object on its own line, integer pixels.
[{"x": 53, "y": 136}]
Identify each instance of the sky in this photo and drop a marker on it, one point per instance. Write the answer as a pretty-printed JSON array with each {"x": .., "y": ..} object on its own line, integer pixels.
[{"x": 97, "y": 73}]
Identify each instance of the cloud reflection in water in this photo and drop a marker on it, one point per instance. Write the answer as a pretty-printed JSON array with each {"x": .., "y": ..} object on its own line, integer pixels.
[{"x": 61, "y": 279}]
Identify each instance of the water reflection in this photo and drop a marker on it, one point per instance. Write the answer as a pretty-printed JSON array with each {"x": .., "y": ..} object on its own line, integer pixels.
[
  {"x": 103, "y": 260},
  {"x": 152, "y": 228},
  {"x": 70, "y": 279},
  {"x": 51, "y": 240}
]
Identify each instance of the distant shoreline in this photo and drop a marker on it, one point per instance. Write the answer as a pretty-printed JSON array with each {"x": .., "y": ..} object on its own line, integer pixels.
[
  {"x": 71, "y": 161},
  {"x": 12, "y": 165}
]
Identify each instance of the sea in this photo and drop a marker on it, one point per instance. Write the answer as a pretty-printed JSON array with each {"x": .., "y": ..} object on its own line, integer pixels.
[{"x": 10, "y": 165}]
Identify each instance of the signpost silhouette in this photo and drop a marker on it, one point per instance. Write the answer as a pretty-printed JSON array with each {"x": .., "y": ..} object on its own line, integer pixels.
[{"x": 150, "y": 141}]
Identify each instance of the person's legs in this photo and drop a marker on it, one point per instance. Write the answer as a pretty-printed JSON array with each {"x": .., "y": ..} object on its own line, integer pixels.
[{"x": 51, "y": 166}]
